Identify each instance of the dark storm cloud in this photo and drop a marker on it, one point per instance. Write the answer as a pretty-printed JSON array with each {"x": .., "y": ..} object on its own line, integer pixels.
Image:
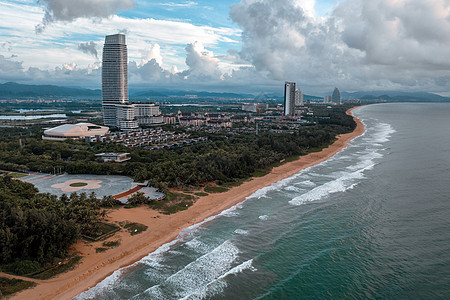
[
  {"x": 70, "y": 10},
  {"x": 89, "y": 48}
]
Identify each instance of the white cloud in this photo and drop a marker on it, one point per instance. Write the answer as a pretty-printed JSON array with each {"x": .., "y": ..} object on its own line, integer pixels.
[
  {"x": 182, "y": 4},
  {"x": 153, "y": 52},
  {"x": 201, "y": 62},
  {"x": 377, "y": 44},
  {"x": 58, "y": 45}
]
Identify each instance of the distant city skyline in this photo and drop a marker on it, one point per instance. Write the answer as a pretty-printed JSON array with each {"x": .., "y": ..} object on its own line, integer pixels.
[{"x": 225, "y": 46}]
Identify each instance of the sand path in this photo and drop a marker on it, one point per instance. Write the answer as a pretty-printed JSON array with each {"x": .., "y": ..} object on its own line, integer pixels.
[{"x": 94, "y": 267}]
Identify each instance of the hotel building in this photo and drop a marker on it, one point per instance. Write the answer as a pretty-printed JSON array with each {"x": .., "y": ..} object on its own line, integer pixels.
[
  {"x": 117, "y": 111},
  {"x": 289, "y": 98}
]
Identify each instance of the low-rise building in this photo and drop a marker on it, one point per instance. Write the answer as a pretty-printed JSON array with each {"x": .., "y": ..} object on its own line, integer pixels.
[
  {"x": 74, "y": 131},
  {"x": 114, "y": 157}
]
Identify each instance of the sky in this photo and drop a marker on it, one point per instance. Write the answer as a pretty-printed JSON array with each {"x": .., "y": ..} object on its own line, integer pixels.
[{"x": 247, "y": 46}]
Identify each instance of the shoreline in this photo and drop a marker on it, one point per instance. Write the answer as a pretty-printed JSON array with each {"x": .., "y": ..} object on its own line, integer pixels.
[{"x": 162, "y": 229}]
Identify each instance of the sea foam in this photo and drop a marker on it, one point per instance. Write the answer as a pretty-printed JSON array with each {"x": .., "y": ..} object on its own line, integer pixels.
[
  {"x": 353, "y": 174},
  {"x": 195, "y": 276}
]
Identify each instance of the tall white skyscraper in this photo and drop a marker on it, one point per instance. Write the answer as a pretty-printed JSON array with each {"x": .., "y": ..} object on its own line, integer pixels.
[
  {"x": 289, "y": 98},
  {"x": 114, "y": 77}
]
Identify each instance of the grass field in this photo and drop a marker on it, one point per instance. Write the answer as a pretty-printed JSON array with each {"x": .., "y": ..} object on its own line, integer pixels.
[{"x": 18, "y": 175}]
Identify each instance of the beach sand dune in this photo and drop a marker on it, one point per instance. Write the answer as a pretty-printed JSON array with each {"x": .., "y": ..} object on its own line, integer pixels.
[{"x": 162, "y": 229}]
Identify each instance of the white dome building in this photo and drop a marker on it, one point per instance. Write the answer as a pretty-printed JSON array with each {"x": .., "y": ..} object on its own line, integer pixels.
[{"x": 74, "y": 131}]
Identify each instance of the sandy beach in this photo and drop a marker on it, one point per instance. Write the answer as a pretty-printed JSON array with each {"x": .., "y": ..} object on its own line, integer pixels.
[{"x": 162, "y": 229}]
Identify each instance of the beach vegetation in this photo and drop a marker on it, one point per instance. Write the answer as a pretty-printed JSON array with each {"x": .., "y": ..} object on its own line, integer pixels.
[
  {"x": 111, "y": 244},
  {"x": 103, "y": 231},
  {"x": 215, "y": 189},
  {"x": 261, "y": 172},
  {"x": 201, "y": 194},
  {"x": 37, "y": 229},
  {"x": 11, "y": 286},
  {"x": 58, "y": 268},
  {"x": 134, "y": 228},
  {"x": 173, "y": 203},
  {"x": 138, "y": 198}
]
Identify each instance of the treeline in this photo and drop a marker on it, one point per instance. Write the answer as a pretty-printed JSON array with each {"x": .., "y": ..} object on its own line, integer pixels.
[
  {"x": 224, "y": 158},
  {"x": 38, "y": 228}
]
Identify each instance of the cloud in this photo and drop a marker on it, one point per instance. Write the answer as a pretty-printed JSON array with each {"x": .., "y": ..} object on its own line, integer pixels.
[
  {"x": 9, "y": 67},
  {"x": 89, "y": 48},
  {"x": 201, "y": 62},
  {"x": 375, "y": 44},
  {"x": 183, "y": 4},
  {"x": 67, "y": 74},
  {"x": 153, "y": 52},
  {"x": 69, "y": 10},
  {"x": 409, "y": 33}
]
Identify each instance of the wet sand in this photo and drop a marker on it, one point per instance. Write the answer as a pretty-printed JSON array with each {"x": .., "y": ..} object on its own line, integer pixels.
[{"x": 162, "y": 229}]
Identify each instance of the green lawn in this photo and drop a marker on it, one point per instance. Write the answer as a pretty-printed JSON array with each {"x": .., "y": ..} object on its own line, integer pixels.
[{"x": 18, "y": 175}]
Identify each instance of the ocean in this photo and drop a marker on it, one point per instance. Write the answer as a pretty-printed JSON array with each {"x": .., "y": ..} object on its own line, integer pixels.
[{"x": 371, "y": 222}]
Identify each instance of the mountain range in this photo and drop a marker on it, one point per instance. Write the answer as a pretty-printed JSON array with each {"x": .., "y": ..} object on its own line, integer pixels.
[
  {"x": 394, "y": 96},
  {"x": 15, "y": 90}
]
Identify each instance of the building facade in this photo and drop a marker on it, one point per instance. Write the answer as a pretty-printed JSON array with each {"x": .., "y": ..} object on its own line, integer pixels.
[
  {"x": 336, "y": 97},
  {"x": 289, "y": 98},
  {"x": 298, "y": 97},
  {"x": 147, "y": 114},
  {"x": 114, "y": 77},
  {"x": 117, "y": 111},
  {"x": 74, "y": 131}
]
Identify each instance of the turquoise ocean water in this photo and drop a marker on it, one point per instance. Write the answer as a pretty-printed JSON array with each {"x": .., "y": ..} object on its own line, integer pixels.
[{"x": 371, "y": 222}]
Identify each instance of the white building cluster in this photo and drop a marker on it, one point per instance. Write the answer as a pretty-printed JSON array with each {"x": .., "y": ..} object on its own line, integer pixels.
[{"x": 117, "y": 111}]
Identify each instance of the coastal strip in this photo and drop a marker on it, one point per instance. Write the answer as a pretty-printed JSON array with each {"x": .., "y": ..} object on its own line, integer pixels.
[{"x": 163, "y": 229}]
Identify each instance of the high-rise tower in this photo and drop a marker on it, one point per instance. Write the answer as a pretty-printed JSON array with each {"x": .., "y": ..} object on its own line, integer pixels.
[
  {"x": 298, "y": 97},
  {"x": 289, "y": 98},
  {"x": 336, "y": 97},
  {"x": 114, "y": 77}
]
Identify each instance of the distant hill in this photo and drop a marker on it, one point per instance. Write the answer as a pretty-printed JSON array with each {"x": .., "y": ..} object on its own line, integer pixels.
[
  {"x": 310, "y": 97},
  {"x": 393, "y": 96},
  {"x": 190, "y": 93},
  {"x": 148, "y": 94},
  {"x": 16, "y": 90}
]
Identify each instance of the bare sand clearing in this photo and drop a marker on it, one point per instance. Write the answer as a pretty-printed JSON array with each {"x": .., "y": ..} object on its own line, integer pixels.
[
  {"x": 163, "y": 228},
  {"x": 66, "y": 186}
]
